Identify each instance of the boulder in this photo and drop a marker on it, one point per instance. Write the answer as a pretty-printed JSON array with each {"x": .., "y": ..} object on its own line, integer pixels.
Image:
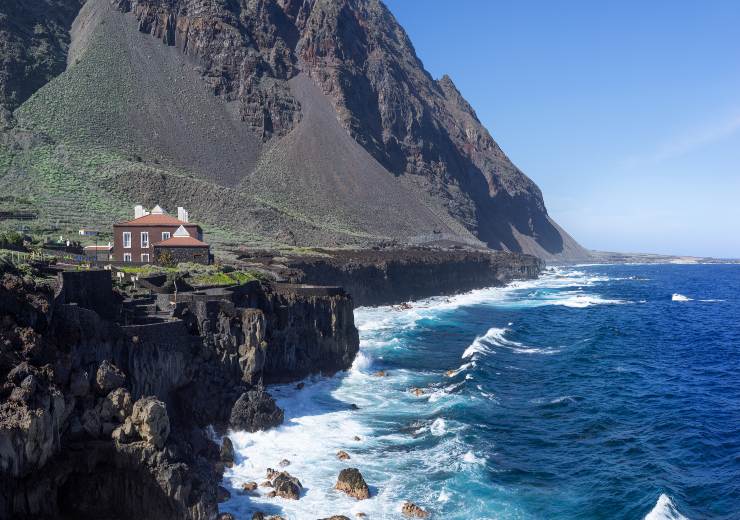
[
  {"x": 248, "y": 487},
  {"x": 287, "y": 486},
  {"x": 255, "y": 410},
  {"x": 109, "y": 377},
  {"x": 227, "y": 452},
  {"x": 343, "y": 455},
  {"x": 336, "y": 517},
  {"x": 225, "y": 516},
  {"x": 124, "y": 433},
  {"x": 117, "y": 405},
  {"x": 350, "y": 481},
  {"x": 259, "y": 515},
  {"x": 151, "y": 421},
  {"x": 412, "y": 510}
]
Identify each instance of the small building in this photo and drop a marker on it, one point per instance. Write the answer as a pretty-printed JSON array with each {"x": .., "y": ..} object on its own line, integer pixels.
[
  {"x": 133, "y": 240},
  {"x": 88, "y": 232},
  {"x": 98, "y": 253},
  {"x": 182, "y": 247}
]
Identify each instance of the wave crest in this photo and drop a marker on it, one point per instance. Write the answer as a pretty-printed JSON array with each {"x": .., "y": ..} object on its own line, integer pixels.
[{"x": 664, "y": 509}]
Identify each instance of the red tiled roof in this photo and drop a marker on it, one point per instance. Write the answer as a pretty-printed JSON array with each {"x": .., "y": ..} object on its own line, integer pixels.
[
  {"x": 181, "y": 242},
  {"x": 155, "y": 219}
]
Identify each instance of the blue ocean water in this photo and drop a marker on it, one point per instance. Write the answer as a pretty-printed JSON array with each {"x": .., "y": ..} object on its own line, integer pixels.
[{"x": 593, "y": 392}]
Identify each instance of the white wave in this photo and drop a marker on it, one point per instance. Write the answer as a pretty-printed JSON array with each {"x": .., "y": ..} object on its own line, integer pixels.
[
  {"x": 470, "y": 458},
  {"x": 680, "y": 298},
  {"x": 712, "y": 301},
  {"x": 363, "y": 361},
  {"x": 444, "y": 496},
  {"x": 664, "y": 509},
  {"x": 438, "y": 427},
  {"x": 576, "y": 300}
]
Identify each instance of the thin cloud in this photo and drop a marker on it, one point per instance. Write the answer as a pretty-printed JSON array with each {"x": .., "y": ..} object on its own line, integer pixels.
[
  {"x": 682, "y": 145},
  {"x": 696, "y": 140}
]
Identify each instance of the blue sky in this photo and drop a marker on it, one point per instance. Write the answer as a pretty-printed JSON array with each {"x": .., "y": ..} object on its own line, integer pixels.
[{"x": 627, "y": 114}]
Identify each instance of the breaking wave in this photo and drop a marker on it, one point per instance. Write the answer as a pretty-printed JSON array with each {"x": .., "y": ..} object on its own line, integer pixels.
[{"x": 664, "y": 510}]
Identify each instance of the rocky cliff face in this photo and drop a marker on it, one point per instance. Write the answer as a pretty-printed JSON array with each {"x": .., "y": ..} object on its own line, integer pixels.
[
  {"x": 101, "y": 420},
  {"x": 34, "y": 38},
  {"x": 391, "y": 277}
]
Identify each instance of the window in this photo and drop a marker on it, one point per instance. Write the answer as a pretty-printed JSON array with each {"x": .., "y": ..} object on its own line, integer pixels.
[
  {"x": 145, "y": 258},
  {"x": 127, "y": 240},
  {"x": 144, "y": 239},
  {"x": 166, "y": 235},
  {"x": 127, "y": 256}
]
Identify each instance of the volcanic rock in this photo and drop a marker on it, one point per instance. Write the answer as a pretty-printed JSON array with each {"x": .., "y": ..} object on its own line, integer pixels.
[
  {"x": 343, "y": 455},
  {"x": 255, "y": 410},
  {"x": 287, "y": 486},
  {"x": 109, "y": 377},
  {"x": 350, "y": 481},
  {"x": 227, "y": 452},
  {"x": 412, "y": 510},
  {"x": 151, "y": 421}
]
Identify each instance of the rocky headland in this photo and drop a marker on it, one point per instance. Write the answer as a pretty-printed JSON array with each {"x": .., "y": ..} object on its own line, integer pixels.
[
  {"x": 104, "y": 420},
  {"x": 392, "y": 276}
]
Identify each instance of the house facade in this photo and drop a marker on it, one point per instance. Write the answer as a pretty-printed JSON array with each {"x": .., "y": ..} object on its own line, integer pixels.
[
  {"x": 134, "y": 240},
  {"x": 182, "y": 248}
]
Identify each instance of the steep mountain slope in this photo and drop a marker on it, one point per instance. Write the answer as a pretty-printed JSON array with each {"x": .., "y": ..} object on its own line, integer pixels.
[{"x": 293, "y": 121}]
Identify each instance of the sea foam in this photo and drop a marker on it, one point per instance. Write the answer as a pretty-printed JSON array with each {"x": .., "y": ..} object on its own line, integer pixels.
[{"x": 664, "y": 509}]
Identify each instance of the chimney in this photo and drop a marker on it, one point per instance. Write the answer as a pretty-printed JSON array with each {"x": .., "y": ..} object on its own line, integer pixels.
[
  {"x": 182, "y": 214},
  {"x": 138, "y": 211}
]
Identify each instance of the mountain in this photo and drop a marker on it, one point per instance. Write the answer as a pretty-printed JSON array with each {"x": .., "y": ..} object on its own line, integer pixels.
[{"x": 301, "y": 122}]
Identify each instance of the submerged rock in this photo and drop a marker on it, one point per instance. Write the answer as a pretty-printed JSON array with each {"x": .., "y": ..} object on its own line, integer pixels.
[
  {"x": 350, "y": 481},
  {"x": 255, "y": 410},
  {"x": 283, "y": 463}
]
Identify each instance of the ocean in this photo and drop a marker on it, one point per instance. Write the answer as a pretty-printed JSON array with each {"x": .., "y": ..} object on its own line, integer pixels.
[{"x": 593, "y": 392}]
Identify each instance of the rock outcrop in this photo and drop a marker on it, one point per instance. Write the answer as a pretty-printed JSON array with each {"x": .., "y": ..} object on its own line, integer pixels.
[
  {"x": 350, "y": 481},
  {"x": 103, "y": 420},
  {"x": 382, "y": 277},
  {"x": 255, "y": 410}
]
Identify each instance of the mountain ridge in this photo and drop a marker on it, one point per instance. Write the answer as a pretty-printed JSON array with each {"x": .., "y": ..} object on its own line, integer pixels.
[{"x": 408, "y": 160}]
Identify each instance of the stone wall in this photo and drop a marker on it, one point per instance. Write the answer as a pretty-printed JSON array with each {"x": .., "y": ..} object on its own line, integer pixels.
[{"x": 198, "y": 255}]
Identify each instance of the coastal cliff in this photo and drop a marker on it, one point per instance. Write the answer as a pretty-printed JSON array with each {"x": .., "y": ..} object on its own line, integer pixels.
[
  {"x": 383, "y": 277},
  {"x": 99, "y": 419}
]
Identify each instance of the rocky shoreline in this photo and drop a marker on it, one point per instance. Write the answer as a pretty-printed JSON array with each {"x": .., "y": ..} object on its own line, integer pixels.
[
  {"x": 107, "y": 416},
  {"x": 393, "y": 276},
  {"x": 104, "y": 420}
]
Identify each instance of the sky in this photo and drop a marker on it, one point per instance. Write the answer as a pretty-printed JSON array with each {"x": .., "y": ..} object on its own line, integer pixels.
[{"x": 625, "y": 113}]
